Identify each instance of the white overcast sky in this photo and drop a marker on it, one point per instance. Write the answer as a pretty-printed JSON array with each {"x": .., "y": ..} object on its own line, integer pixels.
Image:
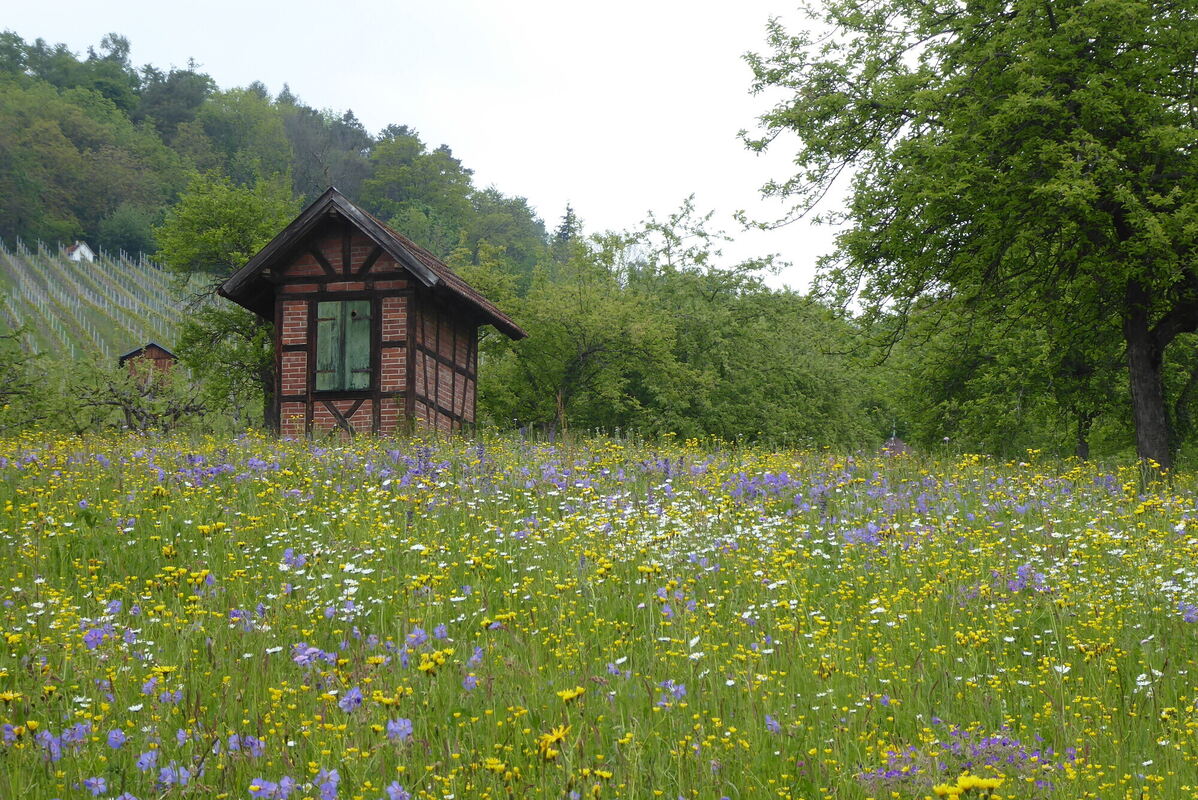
[{"x": 617, "y": 107}]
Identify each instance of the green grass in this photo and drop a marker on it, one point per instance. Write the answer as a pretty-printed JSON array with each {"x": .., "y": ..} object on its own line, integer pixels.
[
  {"x": 843, "y": 627},
  {"x": 106, "y": 307}
]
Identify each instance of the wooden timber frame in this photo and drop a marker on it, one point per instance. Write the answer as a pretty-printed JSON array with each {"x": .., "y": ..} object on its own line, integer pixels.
[{"x": 371, "y": 331}]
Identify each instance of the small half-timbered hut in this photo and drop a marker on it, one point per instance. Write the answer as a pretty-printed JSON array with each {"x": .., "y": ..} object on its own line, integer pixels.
[{"x": 371, "y": 330}]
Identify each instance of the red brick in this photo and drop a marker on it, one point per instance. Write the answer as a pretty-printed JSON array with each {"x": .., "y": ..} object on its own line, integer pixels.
[
  {"x": 385, "y": 264},
  {"x": 303, "y": 266},
  {"x": 295, "y": 372},
  {"x": 292, "y": 422},
  {"x": 393, "y": 364},
  {"x": 295, "y": 322}
]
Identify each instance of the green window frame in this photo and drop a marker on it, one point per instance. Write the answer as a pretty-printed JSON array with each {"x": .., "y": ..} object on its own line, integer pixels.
[{"x": 343, "y": 345}]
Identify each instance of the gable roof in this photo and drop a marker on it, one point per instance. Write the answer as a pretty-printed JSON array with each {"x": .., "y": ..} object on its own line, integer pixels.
[
  {"x": 247, "y": 286},
  {"x": 139, "y": 350}
]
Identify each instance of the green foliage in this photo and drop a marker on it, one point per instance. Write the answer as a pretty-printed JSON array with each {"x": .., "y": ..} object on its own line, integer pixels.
[
  {"x": 591, "y": 342},
  {"x": 990, "y": 226},
  {"x": 218, "y": 225},
  {"x": 129, "y": 228},
  {"x": 329, "y": 150},
  {"x": 18, "y": 383},
  {"x": 1025, "y": 154},
  {"x": 506, "y": 223},
  {"x": 246, "y": 136},
  {"x": 172, "y": 99},
  {"x": 426, "y": 194},
  {"x": 88, "y": 395},
  {"x": 69, "y": 159},
  {"x": 647, "y": 332},
  {"x": 92, "y": 148},
  {"x": 93, "y": 396},
  {"x": 231, "y": 353},
  {"x": 769, "y": 364}
]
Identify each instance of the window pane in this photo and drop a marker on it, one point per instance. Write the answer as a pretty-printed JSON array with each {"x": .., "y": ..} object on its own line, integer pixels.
[
  {"x": 357, "y": 344},
  {"x": 330, "y": 335}
]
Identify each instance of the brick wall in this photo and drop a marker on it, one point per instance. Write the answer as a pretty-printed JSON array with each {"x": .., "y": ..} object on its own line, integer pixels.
[
  {"x": 329, "y": 246},
  {"x": 391, "y": 412},
  {"x": 292, "y": 419},
  {"x": 393, "y": 369},
  {"x": 359, "y": 248},
  {"x": 323, "y": 419},
  {"x": 445, "y": 386},
  {"x": 295, "y": 322},
  {"x": 303, "y": 267},
  {"x": 294, "y": 373},
  {"x": 395, "y": 318}
]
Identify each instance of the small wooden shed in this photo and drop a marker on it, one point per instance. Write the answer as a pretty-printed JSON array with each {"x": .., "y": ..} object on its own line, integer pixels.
[
  {"x": 370, "y": 329},
  {"x": 152, "y": 354}
]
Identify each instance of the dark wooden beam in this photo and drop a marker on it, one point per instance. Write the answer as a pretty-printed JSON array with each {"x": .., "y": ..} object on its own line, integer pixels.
[
  {"x": 472, "y": 365},
  {"x": 370, "y": 259},
  {"x": 343, "y": 419},
  {"x": 311, "y": 367},
  {"x": 465, "y": 371},
  {"x": 438, "y": 407},
  {"x": 277, "y": 406},
  {"x": 437, "y": 365},
  {"x": 453, "y": 376},
  {"x": 410, "y": 383},
  {"x": 335, "y": 278},
  {"x": 324, "y": 262},
  {"x": 376, "y": 361}
]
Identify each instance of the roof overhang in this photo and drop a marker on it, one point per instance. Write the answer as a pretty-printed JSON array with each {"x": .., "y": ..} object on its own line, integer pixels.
[{"x": 251, "y": 287}]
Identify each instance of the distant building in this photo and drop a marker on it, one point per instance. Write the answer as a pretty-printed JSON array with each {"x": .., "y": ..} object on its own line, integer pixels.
[
  {"x": 79, "y": 251},
  {"x": 370, "y": 328},
  {"x": 150, "y": 354}
]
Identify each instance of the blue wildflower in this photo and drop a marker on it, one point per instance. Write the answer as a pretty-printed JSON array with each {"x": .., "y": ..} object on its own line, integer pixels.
[
  {"x": 350, "y": 702},
  {"x": 400, "y": 729}
]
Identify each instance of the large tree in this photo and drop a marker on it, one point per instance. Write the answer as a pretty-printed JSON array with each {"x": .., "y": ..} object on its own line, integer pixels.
[
  {"x": 215, "y": 228},
  {"x": 1025, "y": 154}
]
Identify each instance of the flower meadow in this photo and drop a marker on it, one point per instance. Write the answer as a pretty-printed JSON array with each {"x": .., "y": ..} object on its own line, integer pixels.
[{"x": 495, "y": 618}]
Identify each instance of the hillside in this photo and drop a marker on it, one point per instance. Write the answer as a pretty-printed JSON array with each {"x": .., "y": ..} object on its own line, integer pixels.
[{"x": 106, "y": 307}]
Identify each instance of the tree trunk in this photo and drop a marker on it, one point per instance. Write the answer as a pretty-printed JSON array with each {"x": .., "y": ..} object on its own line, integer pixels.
[
  {"x": 1084, "y": 423},
  {"x": 1144, "y": 357},
  {"x": 560, "y": 412}
]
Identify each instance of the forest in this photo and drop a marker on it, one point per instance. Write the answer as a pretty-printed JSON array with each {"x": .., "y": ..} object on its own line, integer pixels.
[{"x": 650, "y": 331}]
